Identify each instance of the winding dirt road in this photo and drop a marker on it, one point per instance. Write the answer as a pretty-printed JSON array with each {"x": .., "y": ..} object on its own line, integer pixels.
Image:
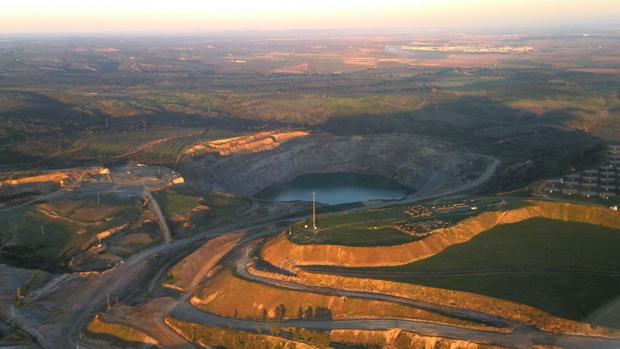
[
  {"x": 126, "y": 277},
  {"x": 521, "y": 337}
]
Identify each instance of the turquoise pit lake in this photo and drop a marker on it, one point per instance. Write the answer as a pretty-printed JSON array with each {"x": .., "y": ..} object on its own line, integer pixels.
[{"x": 336, "y": 188}]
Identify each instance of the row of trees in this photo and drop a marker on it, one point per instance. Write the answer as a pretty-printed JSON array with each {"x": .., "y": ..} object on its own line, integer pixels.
[
  {"x": 308, "y": 313},
  {"x": 318, "y": 313}
]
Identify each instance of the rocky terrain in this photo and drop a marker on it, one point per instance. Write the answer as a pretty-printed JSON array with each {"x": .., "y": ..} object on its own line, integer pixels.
[
  {"x": 414, "y": 162},
  {"x": 258, "y": 142}
]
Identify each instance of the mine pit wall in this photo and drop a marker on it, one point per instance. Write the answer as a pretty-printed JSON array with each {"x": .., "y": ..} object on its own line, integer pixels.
[
  {"x": 284, "y": 254},
  {"x": 426, "y": 166}
]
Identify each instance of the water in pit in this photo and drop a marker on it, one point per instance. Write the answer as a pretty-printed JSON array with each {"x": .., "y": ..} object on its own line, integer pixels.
[{"x": 336, "y": 188}]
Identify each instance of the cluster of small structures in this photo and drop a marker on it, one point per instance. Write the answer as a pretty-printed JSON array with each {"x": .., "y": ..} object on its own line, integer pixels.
[
  {"x": 450, "y": 207},
  {"x": 418, "y": 211},
  {"x": 600, "y": 183},
  {"x": 468, "y": 48},
  {"x": 423, "y": 228},
  {"x": 420, "y": 229}
]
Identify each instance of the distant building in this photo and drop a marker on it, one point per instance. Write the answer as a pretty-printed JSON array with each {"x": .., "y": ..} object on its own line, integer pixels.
[
  {"x": 589, "y": 193},
  {"x": 570, "y": 191},
  {"x": 590, "y": 178}
]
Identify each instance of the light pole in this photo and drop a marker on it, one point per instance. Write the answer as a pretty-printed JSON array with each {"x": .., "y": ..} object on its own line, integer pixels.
[{"x": 314, "y": 210}]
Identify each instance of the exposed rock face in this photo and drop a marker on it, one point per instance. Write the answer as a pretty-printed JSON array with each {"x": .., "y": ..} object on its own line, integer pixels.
[
  {"x": 426, "y": 166},
  {"x": 59, "y": 178},
  {"x": 254, "y": 143}
]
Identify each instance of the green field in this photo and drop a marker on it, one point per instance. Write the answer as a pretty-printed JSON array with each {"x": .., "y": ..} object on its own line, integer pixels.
[
  {"x": 173, "y": 203},
  {"x": 31, "y": 248},
  {"x": 179, "y": 201},
  {"x": 559, "y": 267},
  {"x": 41, "y": 236},
  {"x": 368, "y": 228},
  {"x": 139, "y": 145}
]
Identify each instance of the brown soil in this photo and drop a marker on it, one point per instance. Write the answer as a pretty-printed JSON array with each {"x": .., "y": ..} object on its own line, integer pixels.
[
  {"x": 187, "y": 274},
  {"x": 188, "y": 330},
  {"x": 149, "y": 318},
  {"x": 401, "y": 339},
  {"x": 509, "y": 310},
  {"x": 122, "y": 332},
  {"x": 227, "y": 295}
]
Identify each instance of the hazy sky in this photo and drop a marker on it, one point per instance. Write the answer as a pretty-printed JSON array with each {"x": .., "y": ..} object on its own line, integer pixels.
[{"x": 28, "y": 16}]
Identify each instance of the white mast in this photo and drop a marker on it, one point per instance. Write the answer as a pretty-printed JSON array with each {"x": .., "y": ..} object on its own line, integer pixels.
[{"x": 313, "y": 210}]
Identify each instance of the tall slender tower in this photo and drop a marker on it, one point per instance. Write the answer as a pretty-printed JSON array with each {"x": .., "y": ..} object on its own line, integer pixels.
[{"x": 313, "y": 210}]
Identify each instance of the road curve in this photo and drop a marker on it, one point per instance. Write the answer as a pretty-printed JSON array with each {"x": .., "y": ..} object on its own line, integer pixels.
[
  {"x": 522, "y": 337},
  {"x": 462, "y": 314},
  {"x": 161, "y": 219},
  {"x": 116, "y": 281},
  {"x": 124, "y": 276}
]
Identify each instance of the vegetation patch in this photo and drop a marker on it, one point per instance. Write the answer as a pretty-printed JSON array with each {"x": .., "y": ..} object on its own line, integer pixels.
[
  {"x": 189, "y": 212},
  {"x": 368, "y": 228},
  {"x": 174, "y": 203},
  {"x": 49, "y": 234},
  {"x": 120, "y": 333},
  {"x": 233, "y": 339},
  {"x": 568, "y": 269},
  {"x": 226, "y": 295},
  {"x": 381, "y": 227},
  {"x": 398, "y": 339},
  {"x": 34, "y": 240}
]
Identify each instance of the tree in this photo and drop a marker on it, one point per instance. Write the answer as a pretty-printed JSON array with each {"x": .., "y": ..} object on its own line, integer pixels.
[
  {"x": 322, "y": 313},
  {"x": 280, "y": 312},
  {"x": 300, "y": 313},
  {"x": 308, "y": 313}
]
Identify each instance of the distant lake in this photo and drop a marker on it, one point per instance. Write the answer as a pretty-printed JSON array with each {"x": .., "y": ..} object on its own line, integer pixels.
[{"x": 336, "y": 188}]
